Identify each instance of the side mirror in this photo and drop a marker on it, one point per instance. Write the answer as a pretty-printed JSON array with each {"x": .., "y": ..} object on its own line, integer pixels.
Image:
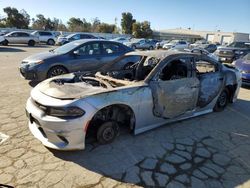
[{"x": 76, "y": 52}]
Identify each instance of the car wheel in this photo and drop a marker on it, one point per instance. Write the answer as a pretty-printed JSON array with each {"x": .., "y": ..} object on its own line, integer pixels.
[
  {"x": 151, "y": 48},
  {"x": 31, "y": 43},
  {"x": 50, "y": 42},
  {"x": 222, "y": 101},
  {"x": 55, "y": 71},
  {"x": 107, "y": 132},
  {"x": 5, "y": 43},
  {"x": 134, "y": 47}
]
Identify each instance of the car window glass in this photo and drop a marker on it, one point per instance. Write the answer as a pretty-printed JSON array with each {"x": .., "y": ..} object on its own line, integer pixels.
[
  {"x": 110, "y": 48},
  {"x": 76, "y": 37},
  {"x": 24, "y": 34},
  {"x": 203, "y": 67},
  {"x": 176, "y": 69},
  {"x": 90, "y": 49}
]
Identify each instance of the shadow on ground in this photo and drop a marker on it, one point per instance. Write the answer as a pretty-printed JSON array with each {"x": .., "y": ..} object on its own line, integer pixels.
[
  {"x": 182, "y": 154},
  {"x": 33, "y": 83},
  {"x": 26, "y": 46},
  {"x": 8, "y": 49}
]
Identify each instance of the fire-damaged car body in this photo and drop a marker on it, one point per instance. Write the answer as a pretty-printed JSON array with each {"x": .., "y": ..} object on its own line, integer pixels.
[{"x": 162, "y": 87}]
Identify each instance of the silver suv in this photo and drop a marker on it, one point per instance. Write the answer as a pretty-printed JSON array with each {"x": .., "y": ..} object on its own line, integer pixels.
[
  {"x": 20, "y": 37},
  {"x": 45, "y": 37}
]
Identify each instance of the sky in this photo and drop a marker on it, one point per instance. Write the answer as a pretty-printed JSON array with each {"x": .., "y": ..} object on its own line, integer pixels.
[{"x": 209, "y": 15}]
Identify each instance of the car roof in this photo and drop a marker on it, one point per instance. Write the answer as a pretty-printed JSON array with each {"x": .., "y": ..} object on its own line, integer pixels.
[
  {"x": 161, "y": 54},
  {"x": 82, "y": 41}
]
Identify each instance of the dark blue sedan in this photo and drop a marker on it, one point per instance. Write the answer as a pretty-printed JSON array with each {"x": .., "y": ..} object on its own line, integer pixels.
[
  {"x": 81, "y": 55},
  {"x": 243, "y": 65}
]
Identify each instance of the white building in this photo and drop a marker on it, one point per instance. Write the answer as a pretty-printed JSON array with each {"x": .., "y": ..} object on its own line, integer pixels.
[{"x": 211, "y": 36}]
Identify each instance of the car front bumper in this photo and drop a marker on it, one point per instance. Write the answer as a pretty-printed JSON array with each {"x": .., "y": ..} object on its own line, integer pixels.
[{"x": 54, "y": 132}]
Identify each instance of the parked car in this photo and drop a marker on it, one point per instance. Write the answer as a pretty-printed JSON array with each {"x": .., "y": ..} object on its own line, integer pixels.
[
  {"x": 2, "y": 39},
  {"x": 162, "y": 87},
  {"x": 120, "y": 39},
  {"x": 45, "y": 37},
  {"x": 160, "y": 44},
  {"x": 72, "y": 37},
  {"x": 233, "y": 51},
  {"x": 176, "y": 44},
  {"x": 20, "y": 37},
  {"x": 143, "y": 44},
  {"x": 80, "y": 55},
  {"x": 205, "y": 45},
  {"x": 243, "y": 65}
]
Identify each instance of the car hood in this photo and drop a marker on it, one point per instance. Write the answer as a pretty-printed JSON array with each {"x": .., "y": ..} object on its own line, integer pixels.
[
  {"x": 64, "y": 87},
  {"x": 40, "y": 56},
  {"x": 243, "y": 64}
]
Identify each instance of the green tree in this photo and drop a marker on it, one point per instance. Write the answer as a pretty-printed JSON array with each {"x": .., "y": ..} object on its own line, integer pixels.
[
  {"x": 15, "y": 18},
  {"x": 95, "y": 24},
  {"x": 127, "y": 22},
  {"x": 106, "y": 28},
  {"x": 142, "y": 30},
  {"x": 42, "y": 23},
  {"x": 75, "y": 24}
]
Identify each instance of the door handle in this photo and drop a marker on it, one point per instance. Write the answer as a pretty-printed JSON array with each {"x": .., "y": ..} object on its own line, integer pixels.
[{"x": 220, "y": 78}]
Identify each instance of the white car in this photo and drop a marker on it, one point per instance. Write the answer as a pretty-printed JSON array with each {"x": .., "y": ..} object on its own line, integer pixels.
[
  {"x": 162, "y": 87},
  {"x": 176, "y": 44},
  {"x": 2, "y": 39},
  {"x": 20, "y": 37},
  {"x": 45, "y": 37}
]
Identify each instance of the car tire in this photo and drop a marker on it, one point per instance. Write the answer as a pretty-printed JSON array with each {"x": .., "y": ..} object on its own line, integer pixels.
[
  {"x": 56, "y": 71},
  {"x": 222, "y": 101},
  {"x": 151, "y": 47},
  {"x": 107, "y": 132},
  {"x": 133, "y": 47},
  {"x": 31, "y": 43},
  {"x": 51, "y": 42},
  {"x": 5, "y": 43}
]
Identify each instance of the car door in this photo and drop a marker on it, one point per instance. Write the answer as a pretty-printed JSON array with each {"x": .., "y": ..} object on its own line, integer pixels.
[
  {"x": 211, "y": 80},
  {"x": 43, "y": 36},
  {"x": 86, "y": 58},
  {"x": 24, "y": 37},
  {"x": 175, "y": 90},
  {"x": 13, "y": 38}
]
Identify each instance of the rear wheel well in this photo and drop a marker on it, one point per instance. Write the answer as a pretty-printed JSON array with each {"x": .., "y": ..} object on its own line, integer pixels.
[
  {"x": 122, "y": 114},
  {"x": 231, "y": 90}
]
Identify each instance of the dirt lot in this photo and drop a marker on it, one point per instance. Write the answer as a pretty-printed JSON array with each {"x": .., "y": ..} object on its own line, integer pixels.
[{"x": 207, "y": 151}]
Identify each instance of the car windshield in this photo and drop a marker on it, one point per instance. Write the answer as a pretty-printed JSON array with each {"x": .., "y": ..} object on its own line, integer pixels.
[
  {"x": 71, "y": 35},
  {"x": 66, "y": 48},
  {"x": 173, "y": 41}
]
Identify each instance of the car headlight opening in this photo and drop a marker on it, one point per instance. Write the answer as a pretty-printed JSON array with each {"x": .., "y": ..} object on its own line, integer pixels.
[{"x": 72, "y": 112}]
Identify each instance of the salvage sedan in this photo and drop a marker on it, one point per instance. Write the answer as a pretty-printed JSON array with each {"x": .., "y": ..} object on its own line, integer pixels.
[{"x": 162, "y": 87}]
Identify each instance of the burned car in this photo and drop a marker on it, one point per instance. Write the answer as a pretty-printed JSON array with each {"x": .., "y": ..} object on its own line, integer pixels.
[{"x": 162, "y": 87}]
